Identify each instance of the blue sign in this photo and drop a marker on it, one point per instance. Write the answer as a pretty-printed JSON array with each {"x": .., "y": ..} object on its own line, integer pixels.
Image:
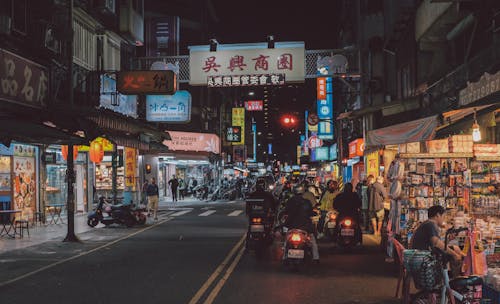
[
  {"x": 270, "y": 148},
  {"x": 333, "y": 152},
  {"x": 110, "y": 99},
  {"x": 321, "y": 153},
  {"x": 7, "y": 150},
  {"x": 325, "y": 112},
  {"x": 169, "y": 108}
]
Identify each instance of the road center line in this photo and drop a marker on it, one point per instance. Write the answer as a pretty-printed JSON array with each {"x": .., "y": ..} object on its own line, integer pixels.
[
  {"x": 29, "y": 274},
  {"x": 217, "y": 272},
  {"x": 223, "y": 280}
]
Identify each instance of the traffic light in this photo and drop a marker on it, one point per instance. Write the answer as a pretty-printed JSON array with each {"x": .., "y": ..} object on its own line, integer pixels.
[{"x": 289, "y": 120}]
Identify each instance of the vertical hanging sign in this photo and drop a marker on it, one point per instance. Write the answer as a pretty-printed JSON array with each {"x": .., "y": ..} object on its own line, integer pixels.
[
  {"x": 325, "y": 107},
  {"x": 238, "y": 117},
  {"x": 130, "y": 167}
]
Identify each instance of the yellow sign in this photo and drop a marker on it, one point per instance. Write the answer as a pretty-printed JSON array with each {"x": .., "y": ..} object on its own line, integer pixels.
[
  {"x": 130, "y": 166},
  {"x": 106, "y": 145},
  {"x": 239, "y": 121},
  {"x": 312, "y": 128},
  {"x": 372, "y": 164},
  {"x": 299, "y": 154}
]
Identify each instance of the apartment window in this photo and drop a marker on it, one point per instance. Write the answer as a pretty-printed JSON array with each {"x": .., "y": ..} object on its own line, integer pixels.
[
  {"x": 111, "y": 55},
  {"x": 17, "y": 10},
  {"x": 84, "y": 46}
]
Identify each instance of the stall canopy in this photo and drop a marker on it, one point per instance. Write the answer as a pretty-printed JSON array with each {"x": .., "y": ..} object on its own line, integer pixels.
[{"x": 412, "y": 131}]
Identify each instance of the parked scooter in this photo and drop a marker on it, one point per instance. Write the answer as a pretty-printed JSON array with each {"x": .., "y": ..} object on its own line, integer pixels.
[
  {"x": 348, "y": 232},
  {"x": 259, "y": 234},
  {"x": 116, "y": 214}
]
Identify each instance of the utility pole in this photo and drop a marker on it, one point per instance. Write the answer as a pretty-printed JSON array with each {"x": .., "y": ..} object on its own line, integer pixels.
[{"x": 70, "y": 172}]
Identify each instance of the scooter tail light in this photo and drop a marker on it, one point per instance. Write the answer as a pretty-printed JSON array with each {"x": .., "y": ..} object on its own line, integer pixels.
[
  {"x": 333, "y": 216},
  {"x": 348, "y": 222},
  {"x": 295, "y": 238},
  {"x": 256, "y": 220}
]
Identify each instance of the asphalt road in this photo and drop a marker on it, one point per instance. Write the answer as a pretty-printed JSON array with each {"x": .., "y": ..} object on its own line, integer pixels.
[{"x": 191, "y": 255}]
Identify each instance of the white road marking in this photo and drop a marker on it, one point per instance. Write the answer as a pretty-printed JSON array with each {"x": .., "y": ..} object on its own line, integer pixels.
[
  {"x": 181, "y": 212},
  {"x": 231, "y": 202},
  {"x": 207, "y": 213},
  {"x": 235, "y": 213},
  {"x": 29, "y": 274}
]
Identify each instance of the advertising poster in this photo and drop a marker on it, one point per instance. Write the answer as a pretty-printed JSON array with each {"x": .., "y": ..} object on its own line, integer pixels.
[
  {"x": 24, "y": 185},
  {"x": 372, "y": 164},
  {"x": 239, "y": 121},
  {"x": 5, "y": 182}
]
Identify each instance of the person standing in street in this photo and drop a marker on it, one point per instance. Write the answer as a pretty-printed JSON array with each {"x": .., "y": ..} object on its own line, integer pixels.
[
  {"x": 152, "y": 192},
  {"x": 144, "y": 193},
  {"x": 378, "y": 195},
  {"x": 174, "y": 184}
]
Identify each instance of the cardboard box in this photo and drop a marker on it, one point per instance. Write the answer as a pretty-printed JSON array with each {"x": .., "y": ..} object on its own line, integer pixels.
[{"x": 437, "y": 146}]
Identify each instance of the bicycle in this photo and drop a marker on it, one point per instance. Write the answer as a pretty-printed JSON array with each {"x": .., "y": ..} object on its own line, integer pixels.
[{"x": 459, "y": 290}]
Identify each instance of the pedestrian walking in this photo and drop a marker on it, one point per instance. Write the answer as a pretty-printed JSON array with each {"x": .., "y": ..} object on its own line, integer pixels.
[
  {"x": 174, "y": 184},
  {"x": 182, "y": 188},
  {"x": 152, "y": 192},
  {"x": 144, "y": 193}
]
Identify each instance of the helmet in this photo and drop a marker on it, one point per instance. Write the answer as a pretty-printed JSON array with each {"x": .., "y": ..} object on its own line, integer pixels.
[
  {"x": 260, "y": 184},
  {"x": 299, "y": 189}
]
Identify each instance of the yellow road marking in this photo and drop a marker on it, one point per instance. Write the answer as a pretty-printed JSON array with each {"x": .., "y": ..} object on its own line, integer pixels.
[{"x": 216, "y": 273}]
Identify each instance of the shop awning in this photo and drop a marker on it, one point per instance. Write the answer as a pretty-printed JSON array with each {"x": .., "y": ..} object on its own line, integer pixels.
[
  {"x": 412, "y": 131},
  {"x": 35, "y": 133}
]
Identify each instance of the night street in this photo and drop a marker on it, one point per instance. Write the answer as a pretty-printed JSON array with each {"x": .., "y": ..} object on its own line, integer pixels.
[{"x": 171, "y": 262}]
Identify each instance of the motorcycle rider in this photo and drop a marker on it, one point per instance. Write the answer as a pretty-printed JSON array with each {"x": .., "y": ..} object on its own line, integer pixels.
[
  {"x": 348, "y": 204},
  {"x": 327, "y": 203},
  {"x": 299, "y": 212},
  {"x": 261, "y": 193}
]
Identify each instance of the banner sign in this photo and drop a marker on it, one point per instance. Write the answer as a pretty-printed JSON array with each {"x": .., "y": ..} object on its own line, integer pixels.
[
  {"x": 239, "y": 121},
  {"x": 130, "y": 166},
  {"x": 254, "y": 105},
  {"x": 23, "y": 81},
  {"x": 356, "y": 147},
  {"x": 325, "y": 111},
  {"x": 233, "y": 134},
  {"x": 245, "y": 80},
  {"x": 147, "y": 82},
  {"x": 321, "y": 88},
  {"x": 169, "y": 108},
  {"x": 189, "y": 141},
  {"x": 109, "y": 99},
  {"x": 372, "y": 163},
  {"x": 486, "y": 85},
  {"x": 286, "y": 58}
]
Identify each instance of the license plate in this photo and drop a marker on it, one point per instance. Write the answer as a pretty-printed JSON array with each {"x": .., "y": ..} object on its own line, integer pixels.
[
  {"x": 295, "y": 254},
  {"x": 256, "y": 228},
  {"x": 331, "y": 224},
  {"x": 347, "y": 232}
]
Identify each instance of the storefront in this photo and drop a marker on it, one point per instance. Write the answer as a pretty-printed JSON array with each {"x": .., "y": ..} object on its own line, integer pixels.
[
  {"x": 454, "y": 172},
  {"x": 354, "y": 171}
]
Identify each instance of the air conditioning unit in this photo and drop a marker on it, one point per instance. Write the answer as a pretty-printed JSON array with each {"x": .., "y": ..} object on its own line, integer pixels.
[
  {"x": 5, "y": 24},
  {"x": 107, "y": 6}
]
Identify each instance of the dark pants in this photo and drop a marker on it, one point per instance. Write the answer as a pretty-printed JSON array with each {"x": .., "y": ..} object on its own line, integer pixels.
[{"x": 174, "y": 194}]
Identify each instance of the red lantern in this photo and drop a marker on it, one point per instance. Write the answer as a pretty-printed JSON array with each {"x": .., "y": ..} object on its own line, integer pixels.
[
  {"x": 96, "y": 152},
  {"x": 64, "y": 151}
]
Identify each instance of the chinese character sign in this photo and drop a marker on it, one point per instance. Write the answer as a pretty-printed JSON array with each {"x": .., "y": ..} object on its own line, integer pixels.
[
  {"x": 245, "y": 80},
  {"x": 23, "y": 81},
  {"x": 169, "y": 108},
  {"x": 147, "y": 82},
  {"x": 325, "y": 108},
  {"x": 252, "y": 60},
  {"x": 130, "y": 166},
  {"x": 254, "y": 105},
  {"x": 233, "y": 134},
  {"x": 188, "y": 141},
  {"x": 239, "y": 121},
  {"x": 125, "y": 104}
]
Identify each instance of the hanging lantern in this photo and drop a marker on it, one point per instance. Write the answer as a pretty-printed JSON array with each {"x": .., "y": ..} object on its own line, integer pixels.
[
  {"x": 64, "y": 152},
  {"x": 96, "y": 152}
]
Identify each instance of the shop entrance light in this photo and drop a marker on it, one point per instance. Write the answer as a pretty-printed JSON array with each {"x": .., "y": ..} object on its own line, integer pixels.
[{"x": 476, "y": 132}]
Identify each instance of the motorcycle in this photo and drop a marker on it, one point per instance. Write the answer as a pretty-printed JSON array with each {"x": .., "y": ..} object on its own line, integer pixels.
[
  {"x": 116, "y": 214},
  {"x": 297, "y": 249},
  {"x": 330, "y": 225},
  {"x": 259, "y": 234},
  {"x": 348, "y": 232}
]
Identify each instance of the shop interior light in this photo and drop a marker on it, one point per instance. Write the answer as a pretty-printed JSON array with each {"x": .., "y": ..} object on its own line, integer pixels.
[{"x": 476, "y": 132}]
